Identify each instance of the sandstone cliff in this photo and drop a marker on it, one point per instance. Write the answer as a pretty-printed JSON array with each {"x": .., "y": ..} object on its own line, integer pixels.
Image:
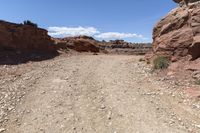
[
  {"x": 177, "y": 37},
  {"x": 178, "y": 34},
  {"x": 24, "y": 38}
]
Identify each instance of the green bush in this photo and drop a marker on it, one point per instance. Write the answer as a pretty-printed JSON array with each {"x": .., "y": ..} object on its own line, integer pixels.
[
  {"x": 28, "y": 22},
  {"x": 161, "y": 62},
  {"x": 197, "y": 82}
]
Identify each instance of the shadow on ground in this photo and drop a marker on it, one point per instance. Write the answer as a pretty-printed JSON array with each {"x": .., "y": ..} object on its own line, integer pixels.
[{"x": 13, "y": 58}]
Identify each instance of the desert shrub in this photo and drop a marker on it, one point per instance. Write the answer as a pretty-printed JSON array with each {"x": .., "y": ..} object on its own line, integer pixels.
[
  {"x": 66, "y": 50},
  {"x": 28, "y": 22},
  {"x": 161, "y": 62},
  {"x": 141, "y": 60},
  {"x": 197, "y": 82}
]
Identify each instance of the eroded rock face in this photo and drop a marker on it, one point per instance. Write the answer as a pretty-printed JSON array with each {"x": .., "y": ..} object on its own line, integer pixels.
[
  {"x": 82, "y": 45},
  {"x": 79, "y": 43},
  {"x": 24, "y": 38},
  {"x": 177, "y": 1},
  {"x": 185, "y": 1},
  {"x": 178, "y": 34}
]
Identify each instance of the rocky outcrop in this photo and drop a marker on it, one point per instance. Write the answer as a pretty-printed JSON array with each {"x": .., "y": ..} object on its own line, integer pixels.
[
  {"x": 178, "y": 34},
  {"x": 79, "y": 43},
  {"x": 24, "y": 38},
  {"x": 82, "y": 45},
  {"x": 185, "y": 1}
]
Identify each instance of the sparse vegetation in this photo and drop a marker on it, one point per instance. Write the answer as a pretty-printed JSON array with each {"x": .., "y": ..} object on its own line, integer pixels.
[
  {"x": 161, "y": 62},
  {"x": 66, "y": 50},
  {"x": 141, "y": 60},
  {"x": 28, "y": 22},
  {"x": 197, "y": 82}
]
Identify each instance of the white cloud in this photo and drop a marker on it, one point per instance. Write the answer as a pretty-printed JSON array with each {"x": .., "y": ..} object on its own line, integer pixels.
[
  {"x": 90, "y": 31},
  {"x": 117, "y": 35},
  {"x": 72, "y": 31}
]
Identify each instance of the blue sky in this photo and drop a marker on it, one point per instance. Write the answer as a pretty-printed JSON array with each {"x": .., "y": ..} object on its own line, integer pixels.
[{"x": 104, "y": 19}]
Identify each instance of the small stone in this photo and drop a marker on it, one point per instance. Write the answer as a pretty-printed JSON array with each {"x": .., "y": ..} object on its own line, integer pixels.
[
  {"x": 103, "y": 107},
  {"x": 190, "y": 130},
  {"x": 41, "y": 129},
  {"x": 28, "y": 111},
  {"x": 2, "y": 130},
  {"x": 198, "y": 126},
  {"x": 182, "y": 123},
  {"x": 62, "y": 126},
  {"x": 172, "y": 121},
  {"x": 43, "y": 92},
  {"x": 109, "y": 115}
]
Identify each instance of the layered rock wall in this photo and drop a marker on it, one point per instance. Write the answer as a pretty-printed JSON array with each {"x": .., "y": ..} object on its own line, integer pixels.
[
  {"x": 178, "y": 34},
  {"x": 24, "y": 38}
]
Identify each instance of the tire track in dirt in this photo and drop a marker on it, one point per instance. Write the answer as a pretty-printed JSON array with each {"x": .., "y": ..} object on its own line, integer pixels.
[{"x": 101, "y": 94}]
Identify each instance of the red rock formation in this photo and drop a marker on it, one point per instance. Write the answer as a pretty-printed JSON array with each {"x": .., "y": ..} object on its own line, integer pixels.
[
  {"x": 178, "y": 34},
  {"x": 24, "y": 38},
  {"x": 185, "y": 1},
  {"x": 80, "y": 44},
  {"x": 89, "y": 44}
]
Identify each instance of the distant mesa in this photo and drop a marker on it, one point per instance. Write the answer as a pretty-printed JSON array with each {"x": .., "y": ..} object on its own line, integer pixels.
[{"x": 89, "y": 44}]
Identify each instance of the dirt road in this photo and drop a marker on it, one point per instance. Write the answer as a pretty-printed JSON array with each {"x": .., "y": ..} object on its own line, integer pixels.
[{"x": 100, "y": 94}]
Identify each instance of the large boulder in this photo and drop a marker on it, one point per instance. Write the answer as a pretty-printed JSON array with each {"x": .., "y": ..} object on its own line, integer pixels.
[
  {"x": 24, "y": 38},
  {"x": 178, "y": 34}
]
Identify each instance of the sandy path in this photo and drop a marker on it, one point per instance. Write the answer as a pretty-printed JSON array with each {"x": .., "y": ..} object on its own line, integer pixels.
[{"x": 99, "y": 94}]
